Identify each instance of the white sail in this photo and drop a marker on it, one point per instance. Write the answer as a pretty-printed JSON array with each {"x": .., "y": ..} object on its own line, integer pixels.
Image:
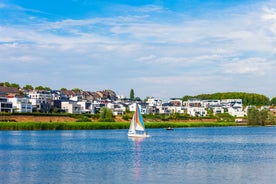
[{"x": 131, "y": 129}]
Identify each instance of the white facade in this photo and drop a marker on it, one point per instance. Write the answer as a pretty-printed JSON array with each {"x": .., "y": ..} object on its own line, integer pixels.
[
  {"x": 193, "y": 103},
  {"x": 236, "y": 110},
  {"x": 196, "y": 111},
  {"x": 40, "y": 96},
  {"x": 210, "y": 103},
  {"x": 37, "y": 98},
  {"x": 144, "y": 109},
  {"x": 21, "y": 104},
  {"x": 170, "y": 109},
  {"x": 217, "y": 110},
  {"x": 117, "y": 109},
  {"x": 176, "y": 102},
  {"x": 75, "y": 98},
  {"x": 154, "y": 101},
  {"x": 176, "y": 109},
  {"x": 84, "y": 108},
  {"x": 132, "y": 107},
  {"x": 71, "y": 107},
  {"x": 231, "y": 102}
]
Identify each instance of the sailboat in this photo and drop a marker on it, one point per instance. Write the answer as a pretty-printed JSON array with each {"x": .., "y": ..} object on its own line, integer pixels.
[{"x": 137, "y": 126}]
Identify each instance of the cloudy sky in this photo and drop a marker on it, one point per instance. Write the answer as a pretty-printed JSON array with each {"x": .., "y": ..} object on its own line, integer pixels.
[{"x": 160, "y": 48}]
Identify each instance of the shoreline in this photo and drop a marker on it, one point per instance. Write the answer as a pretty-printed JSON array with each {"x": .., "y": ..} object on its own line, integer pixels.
[{"x": 105, "y": 125}]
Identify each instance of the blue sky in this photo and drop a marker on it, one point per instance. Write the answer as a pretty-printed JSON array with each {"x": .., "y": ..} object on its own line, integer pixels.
[{"x": 159, "y": 48}]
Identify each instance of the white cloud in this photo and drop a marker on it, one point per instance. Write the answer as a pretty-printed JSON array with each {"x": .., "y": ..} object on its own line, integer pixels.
[
  {"x": 269, "y": 13},
  {"x": 254, "y": 66}
]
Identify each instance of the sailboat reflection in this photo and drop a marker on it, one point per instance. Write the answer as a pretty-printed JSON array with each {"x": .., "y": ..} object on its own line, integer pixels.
[{"x": 136, "y": 156}]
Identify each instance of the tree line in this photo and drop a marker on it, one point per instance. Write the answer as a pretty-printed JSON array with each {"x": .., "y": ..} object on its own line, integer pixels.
[
  {"x": 30, "y": 87},
  {"x": 247, "y": 98},
  {"x": 262, "y": 117}
]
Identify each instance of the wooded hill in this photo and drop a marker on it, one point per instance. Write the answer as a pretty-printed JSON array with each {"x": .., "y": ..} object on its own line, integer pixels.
[{"x": 247, "y": 98}]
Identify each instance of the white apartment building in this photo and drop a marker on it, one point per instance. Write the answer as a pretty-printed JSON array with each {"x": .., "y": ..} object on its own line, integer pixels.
[
  {"x": 197, "y": 111},
  {"x": 230, "y": 102},
  {"x": 217, "y": 110},
  {"x": 193, "y": 103},
  {"x": 175, "y": 101},
  {"x": 154, "y": 101},
  {"x": 143, "y": 107},
  {"x": 21, "y": 104},
  {"x": 5, "y": 106},
  {"x": 37, "y": 98},
  {"x": 236, "y": 111},
  {"x": 117, "y": 109},
  {"x": 71, "y": 107},
  {"x": 210, "y": 103}
]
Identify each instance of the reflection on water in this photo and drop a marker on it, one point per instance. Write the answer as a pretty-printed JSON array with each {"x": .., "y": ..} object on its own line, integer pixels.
[
  {"x": 191, "y": 155},
  {"x": 137, "y": 146}
]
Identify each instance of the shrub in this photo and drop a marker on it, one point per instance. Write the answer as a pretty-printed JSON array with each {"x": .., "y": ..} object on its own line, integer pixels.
[
  {"x": 126, "y": 117},
  {"x": 106, "y": 115}
]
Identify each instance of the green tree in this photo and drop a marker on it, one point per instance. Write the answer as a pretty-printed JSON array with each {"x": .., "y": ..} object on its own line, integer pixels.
[
  {"x": 7, "y": 84},
  {"x": 39, "y": 88},
  {"x": 263, "y": 116},
  {"x": 225, "y": 117},
  {"x": 14, "y": 85},
  {"x": 76, "y": 90},
  {"x": 106, "y": 115},
  {"x": 271, "y": 119},
  {"x": 28, "y": 87},
  {"x": 253, "y": 116},
  {"x": 273, "y": 101},
  {"x": 47, "y": 88},
  {"x": 210, "y": 112},
  {"x": 63, "y": 89},
  {"x": 185, "y": 98},
  {"x": 131, "y": 95},
  {"x": 138, "y": 99}
]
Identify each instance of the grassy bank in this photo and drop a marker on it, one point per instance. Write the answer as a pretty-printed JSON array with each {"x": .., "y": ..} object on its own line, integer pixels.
[{"x": 102, "y": 125}]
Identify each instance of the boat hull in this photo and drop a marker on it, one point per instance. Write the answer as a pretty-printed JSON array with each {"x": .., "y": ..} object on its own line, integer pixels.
[{"x": 138, "y": 135}]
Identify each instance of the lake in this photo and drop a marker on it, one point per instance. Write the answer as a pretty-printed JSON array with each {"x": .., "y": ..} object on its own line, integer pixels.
[{"x": 186, "y": 155}]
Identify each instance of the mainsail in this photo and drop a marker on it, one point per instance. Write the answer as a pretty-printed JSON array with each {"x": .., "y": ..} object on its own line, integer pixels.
[
  {"x": 140, "y": 126},
  {"x": 132, "y": 126}
]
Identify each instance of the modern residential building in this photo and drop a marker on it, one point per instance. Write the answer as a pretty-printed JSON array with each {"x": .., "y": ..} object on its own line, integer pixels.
[
  {"x": 21, "y": 104},
  {"x": 40, "y": 100},
  {"x": 71, "y": 107},
  {"x": 5, "y": 105},
  {"x": 197, "y": 111},
  {"x": 236, "y": 110}
]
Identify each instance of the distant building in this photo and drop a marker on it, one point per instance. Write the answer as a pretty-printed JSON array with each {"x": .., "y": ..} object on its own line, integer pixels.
[
  {"x": 5, "y": 106},
  {"x": 236, "y": 110},
  {"x": 40, "y": 100},
  {"x": 71, "y": 107},
  {"x": 21, "y": 104}
]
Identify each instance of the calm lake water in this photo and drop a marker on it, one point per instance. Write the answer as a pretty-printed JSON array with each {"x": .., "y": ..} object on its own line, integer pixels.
[{"x": 189, "y": 155}]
